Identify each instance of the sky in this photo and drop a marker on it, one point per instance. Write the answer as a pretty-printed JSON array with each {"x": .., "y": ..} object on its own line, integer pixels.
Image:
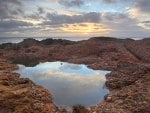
[{"x": 75, "y": 18}]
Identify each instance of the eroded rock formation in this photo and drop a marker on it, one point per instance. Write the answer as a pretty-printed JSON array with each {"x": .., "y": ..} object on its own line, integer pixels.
[{"x": 129, "y": 81}]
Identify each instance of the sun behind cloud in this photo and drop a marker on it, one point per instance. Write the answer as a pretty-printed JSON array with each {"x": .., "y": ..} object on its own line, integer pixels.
[
  {"x": 86, "y": 28},
  {"x": 116, "y": 18}
]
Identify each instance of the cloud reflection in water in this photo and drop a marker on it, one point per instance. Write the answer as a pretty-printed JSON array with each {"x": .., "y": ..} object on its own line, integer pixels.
[{"x": 69, "y": 83}]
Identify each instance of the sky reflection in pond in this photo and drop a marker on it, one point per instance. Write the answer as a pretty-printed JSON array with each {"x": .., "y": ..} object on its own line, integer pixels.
[{"x": 70, "y": 84}]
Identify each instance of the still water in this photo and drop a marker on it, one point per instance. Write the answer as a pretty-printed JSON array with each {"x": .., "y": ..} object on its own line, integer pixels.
[{"x": 70, "y": 84}]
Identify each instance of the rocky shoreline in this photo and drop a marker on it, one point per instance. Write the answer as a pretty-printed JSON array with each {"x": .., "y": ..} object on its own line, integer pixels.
[
  {"x": 21, "y": 95},
  {"x": 129, "y": 81}
]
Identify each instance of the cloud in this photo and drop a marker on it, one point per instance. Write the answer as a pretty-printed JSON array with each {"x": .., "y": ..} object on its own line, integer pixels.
[
  {"x": 71, "y": 3},
  {"x": 110, "y": 1},
  {"x": 41, "y": 10},
  {"x": 119, "y": 21},
  {"x": 53, "y": 16},
  {"x": 107, "y": 16},
  {"x": 6, "y": 25},
  {"x": 140, "y": 12},
  {"x": 55, "y": 19},
  {"x": 9, "y": 8},
  {"x": 122, "y": 25},
  {"x": 146, "y": 22},
  {"x": 70, "y": 66},
  {"x": 143, "y": 5},
  {"x": 117, "y": 24},
  {"x": 15, "y": 2}
]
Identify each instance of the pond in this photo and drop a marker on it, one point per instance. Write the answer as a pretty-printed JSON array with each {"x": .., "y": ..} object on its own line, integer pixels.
[{"x": 70, "y": 84}]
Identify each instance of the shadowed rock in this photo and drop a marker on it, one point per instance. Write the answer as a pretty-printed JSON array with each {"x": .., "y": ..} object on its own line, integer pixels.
[
  {"x": 25, "y": 60},
  {"x": 129, "y": 61},
  {"x": 79, "y": 109}
]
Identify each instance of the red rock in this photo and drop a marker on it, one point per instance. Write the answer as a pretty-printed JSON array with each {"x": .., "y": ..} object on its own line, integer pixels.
[{"x": 129, "y": 81}]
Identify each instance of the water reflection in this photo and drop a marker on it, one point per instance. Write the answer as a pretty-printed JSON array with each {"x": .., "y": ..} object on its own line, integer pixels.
[{"x": 70, "y": 84}]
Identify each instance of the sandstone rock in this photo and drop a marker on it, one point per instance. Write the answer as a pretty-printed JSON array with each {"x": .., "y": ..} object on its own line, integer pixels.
[
  {"x": 108, "y": 98},
  {"x": 128, "y": 81}
]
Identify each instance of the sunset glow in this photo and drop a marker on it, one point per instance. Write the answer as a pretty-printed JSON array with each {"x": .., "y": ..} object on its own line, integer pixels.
[
  {"x": 86, "y": 28},
  {"x": 117, "y": 18}
]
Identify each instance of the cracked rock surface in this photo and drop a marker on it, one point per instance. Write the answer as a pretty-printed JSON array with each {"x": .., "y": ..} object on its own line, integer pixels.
[{"x": 129, "y": 80}]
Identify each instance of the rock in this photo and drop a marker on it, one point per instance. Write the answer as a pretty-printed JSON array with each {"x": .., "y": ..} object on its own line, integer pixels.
[
  {"x": 128, "y": 60},
  {"x": 20, "y": 95},
  {"x": 26, "y": 60},
  {"x": 108, "y": 98},
  {"x": 79, "y": 109}
]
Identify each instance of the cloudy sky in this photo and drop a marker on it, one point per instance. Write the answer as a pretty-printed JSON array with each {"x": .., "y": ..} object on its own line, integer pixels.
[{"x": 80, "y": 18}]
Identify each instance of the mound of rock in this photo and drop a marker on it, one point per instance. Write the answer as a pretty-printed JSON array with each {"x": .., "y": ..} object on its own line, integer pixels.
[
  {"x": 21, "y": 95},
  {"x": 127, "y": 59}
]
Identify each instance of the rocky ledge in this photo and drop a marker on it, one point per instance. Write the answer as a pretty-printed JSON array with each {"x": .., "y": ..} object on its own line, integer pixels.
[
  {"x": 21, "y": 95},
  {"x": 129, "y": 81}
]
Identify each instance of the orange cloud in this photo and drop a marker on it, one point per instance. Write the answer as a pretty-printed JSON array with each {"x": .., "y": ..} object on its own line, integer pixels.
[{"x": 86, "y": 28}]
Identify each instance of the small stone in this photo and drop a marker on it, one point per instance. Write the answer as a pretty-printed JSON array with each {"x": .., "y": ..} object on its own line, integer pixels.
[
  {"x": 108, "y": 98},
  {"x": 6, "y": 83},
  {"x": 105, "y": 111},
  {"x": 120, "y": 102}
]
